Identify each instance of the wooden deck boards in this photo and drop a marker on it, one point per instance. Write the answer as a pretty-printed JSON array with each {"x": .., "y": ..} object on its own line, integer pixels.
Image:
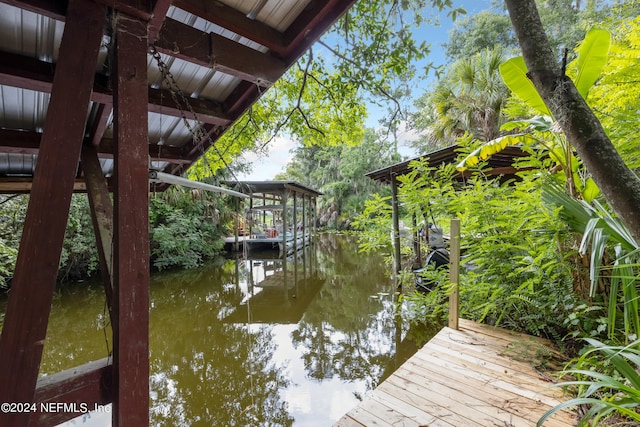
[{"x": 476, "y": 376}]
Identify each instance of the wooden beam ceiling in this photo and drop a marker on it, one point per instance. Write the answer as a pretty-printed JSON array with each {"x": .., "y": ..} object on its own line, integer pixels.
[
  {"x": 28, "y": 142},
  {"x": 219, "y": 53},
  {"x": 256, "y": 70},
  {"x": 233, "y": 20},
  {"x": 28, "y": 73}
]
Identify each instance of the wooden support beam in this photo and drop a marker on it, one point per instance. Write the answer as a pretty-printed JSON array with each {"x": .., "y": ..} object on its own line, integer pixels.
[
  {"x": 397, "y": 261},
  {"x": 100, "y": 122},
  {"x": 160, "y": 9},
  {"x": 131, "y": 226},
  {"x": 312, "y": 22},
  {"x": 84, "y": 388},
  {"x": 219, "y": 53},
  {"x": 236, "y": 21},
  {"x": 161, "y": 102},
  {"x": 28, "y": 142},
  {"x": 27, "y": 314},
  {"x": 29, "y": 73},
  {"x": 101, "y": 217},
  {"x": 454, "y": 274},
  {"x": 24, "y": 185}
]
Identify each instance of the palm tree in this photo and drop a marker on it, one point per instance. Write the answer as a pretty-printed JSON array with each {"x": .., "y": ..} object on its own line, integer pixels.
[{"x": 469, "y": 98}]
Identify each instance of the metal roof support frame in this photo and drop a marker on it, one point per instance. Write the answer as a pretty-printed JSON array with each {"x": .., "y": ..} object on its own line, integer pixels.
[
  {"x": 131, "y": 226},
  {"x": 29, "y": 305}
]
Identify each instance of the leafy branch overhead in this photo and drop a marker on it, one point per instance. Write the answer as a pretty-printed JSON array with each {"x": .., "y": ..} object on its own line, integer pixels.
[{"x": 368, "y": 56}]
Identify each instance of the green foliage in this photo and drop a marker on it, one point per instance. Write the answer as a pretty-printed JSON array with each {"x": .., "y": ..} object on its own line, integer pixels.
[
  {"x": 592, "y": 57},
  {"x": 468, "y": 99},
  {"x": 79, "y": 258},
  {"x": 339, "y": 173},
  {"x": 484, "y": 30},
  {"x": 12, "y": 211},
  {"x": 616, "y": 96},
  {"x": 519, "y": 276},
  {"x": 8, "y": 257},
  {"x": 375, "y": 224},
  {"x": 603, "y": 233},
  {"x": 615, "y": 390},
  {"x": 185, "y": 228}
]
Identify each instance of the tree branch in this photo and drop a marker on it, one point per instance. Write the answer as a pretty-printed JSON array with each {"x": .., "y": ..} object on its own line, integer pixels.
[{"x": 619, "y": 185}]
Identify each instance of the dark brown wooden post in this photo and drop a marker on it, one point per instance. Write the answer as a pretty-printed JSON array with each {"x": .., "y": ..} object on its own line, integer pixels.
[
  {"x": 396, "y": 225},
  {"x": 454, "y": 274},
  {"x": 284, "y": 223},
  {"x": 295, "y": 222},
  {"x": 305, "y": 226},
  {"x": 34, "y": 280},
  {"x": 131, "y": 226}
]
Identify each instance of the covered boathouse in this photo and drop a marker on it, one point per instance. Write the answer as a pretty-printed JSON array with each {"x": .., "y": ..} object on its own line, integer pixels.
[
  {"x": 279, "y": 215},
  {"x": 502, "y": 166},
  {"x": 95, "y": 96}
]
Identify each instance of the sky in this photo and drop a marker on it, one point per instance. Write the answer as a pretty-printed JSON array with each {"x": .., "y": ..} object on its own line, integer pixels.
[{"x": 266, "y": 167}]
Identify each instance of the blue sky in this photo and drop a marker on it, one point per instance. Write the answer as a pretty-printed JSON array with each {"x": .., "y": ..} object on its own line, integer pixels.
[{"x": 265, "y": 168}]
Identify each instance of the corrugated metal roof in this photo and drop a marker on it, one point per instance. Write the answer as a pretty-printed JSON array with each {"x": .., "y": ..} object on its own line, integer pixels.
[{"x": 34, "y": 40}]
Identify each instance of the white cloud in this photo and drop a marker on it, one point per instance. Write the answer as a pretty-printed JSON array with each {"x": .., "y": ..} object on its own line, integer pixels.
[{"x": 265, "y": 167}]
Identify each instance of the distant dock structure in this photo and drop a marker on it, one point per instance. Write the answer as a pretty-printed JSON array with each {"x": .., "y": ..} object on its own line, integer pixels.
[{"x": 281, "y": 215}]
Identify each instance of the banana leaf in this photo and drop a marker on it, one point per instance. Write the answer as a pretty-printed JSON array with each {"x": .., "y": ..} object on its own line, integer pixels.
[
  {"x": 592, "y": 58},
  {"x": 514, "y": 74}
]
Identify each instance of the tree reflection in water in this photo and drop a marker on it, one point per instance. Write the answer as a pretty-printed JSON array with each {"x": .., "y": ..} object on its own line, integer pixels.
[
  {"x": 204, "y": 371},
  {"x": 347, "y": 332},
  {"x": 250, "y": 342}
]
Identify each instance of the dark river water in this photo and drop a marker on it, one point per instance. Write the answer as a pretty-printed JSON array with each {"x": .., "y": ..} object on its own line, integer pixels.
[{"x": 250, "y": 342}]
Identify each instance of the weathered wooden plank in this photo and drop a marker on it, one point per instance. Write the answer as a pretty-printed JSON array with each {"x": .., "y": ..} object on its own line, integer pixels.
[
  {"x": 443, "y": 366},
  {"x": 454, "y": 274},
  {"x": 500, "y": 333},
  {"x": 474, "y": 408},
  {"x": 473, "y": 361},
  {"x": 27, "y": 313},
  {"x": 83, "y": 388},
  {"x": 529, "y": 407},
  {"x": 131, "y": 222},
  {"x": 24, "y": 185},
  {"x": 101, "y": 217},
  {"x": 440, "y": 404},
  {"x": 347, "y": 421},
  {"x": 461, "y": 378},
  {"x": 521, "y": 351},
  {"x": 417, "y": 394},
  {"x": 100, "y": 122},
  {"x": 488, "y": 356},
  {"x": 416, "y": 414},
  {"x": 370, "y": 413}
]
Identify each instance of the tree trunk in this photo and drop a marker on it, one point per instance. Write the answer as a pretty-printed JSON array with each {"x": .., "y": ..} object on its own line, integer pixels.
[{"x": 619, "y": 185}]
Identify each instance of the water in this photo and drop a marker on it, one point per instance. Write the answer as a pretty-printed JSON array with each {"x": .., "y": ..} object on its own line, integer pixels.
[{"x": 252, "y": 342}]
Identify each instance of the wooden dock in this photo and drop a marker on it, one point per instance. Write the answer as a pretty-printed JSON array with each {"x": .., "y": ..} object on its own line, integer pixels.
[{"x": 475, "y": 376}]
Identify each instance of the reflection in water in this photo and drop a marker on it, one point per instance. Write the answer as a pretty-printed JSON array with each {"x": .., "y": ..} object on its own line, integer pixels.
[{"x": 253, "y": 341}]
